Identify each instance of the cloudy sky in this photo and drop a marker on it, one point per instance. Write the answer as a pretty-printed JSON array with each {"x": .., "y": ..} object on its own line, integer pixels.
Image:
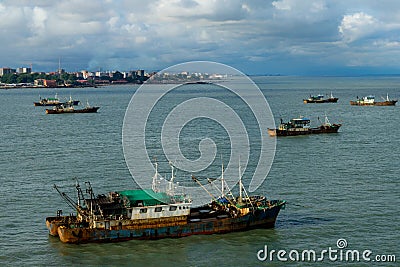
[{"x": 294, "y": 37}]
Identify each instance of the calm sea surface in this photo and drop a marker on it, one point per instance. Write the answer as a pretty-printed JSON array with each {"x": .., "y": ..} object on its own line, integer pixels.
[{"x": 338, "y": 186}]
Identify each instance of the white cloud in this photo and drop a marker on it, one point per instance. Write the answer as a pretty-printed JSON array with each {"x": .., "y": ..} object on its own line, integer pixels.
[
  {"x": 282, "y": 5},
  {"x": 222, "y": 10},
  {"x": 300, "y": 7},
  {"x": 358, "y": 25},
  {"x": 39, "y": 17}
]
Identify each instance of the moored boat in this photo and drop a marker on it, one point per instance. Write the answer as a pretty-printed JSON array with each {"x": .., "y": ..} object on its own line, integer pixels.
[
  {"x": 63, "y": 108},
  {"x": 302, "y": 126},
  {"x": 153, "y": 214},
  {"x": 55, "y": 101},
  {"x": 370, "y": 101},
  {"x": 321, "y": 99}
]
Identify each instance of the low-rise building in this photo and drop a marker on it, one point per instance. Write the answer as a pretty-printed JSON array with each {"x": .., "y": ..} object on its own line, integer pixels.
[{"x": 45, "y": 83}]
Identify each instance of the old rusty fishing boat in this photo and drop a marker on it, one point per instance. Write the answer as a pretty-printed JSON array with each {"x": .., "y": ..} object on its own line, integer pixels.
[
  {"x": 370, "y": 101},
  {"x": 301, "y": 126},
  {"x": 65, "y": 108},
  {"x": 154, "y": 214}
]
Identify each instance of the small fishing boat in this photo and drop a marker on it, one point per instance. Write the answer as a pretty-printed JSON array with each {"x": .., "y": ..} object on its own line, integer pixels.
[
  {"x": 155, "y": 214},
  {"x": 302, "y": 126},
  {"x": 55, "y": 101},
  {"x": 320, "y": 99},
  {"x": 370, "y": 101},
  {"x": 65, "y": 108}
]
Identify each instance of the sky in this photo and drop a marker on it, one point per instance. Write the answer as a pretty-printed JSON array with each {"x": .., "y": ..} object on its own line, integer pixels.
[{"x": 287, "y": 37}]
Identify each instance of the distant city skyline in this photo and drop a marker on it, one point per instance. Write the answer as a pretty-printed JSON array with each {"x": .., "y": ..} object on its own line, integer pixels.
[{"x": 287, "y": 37}]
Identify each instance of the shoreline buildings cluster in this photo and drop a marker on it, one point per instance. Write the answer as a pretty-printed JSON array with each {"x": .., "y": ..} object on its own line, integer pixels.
[{"x": 24, "y": 77}]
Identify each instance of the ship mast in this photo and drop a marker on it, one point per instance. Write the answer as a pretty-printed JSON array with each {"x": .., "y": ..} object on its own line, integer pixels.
[
  {"x": 327, "y": 122},
  {"x": 242, "y": 189},
  {"x": 79, "y": 193},
  {"x": 171, "y": 182},
  {"x": 154, "y": 183},
  {"x": 216, "y": 187},
  {"x": 240, "y": 183},
  {"x": 222, "y": 179}
]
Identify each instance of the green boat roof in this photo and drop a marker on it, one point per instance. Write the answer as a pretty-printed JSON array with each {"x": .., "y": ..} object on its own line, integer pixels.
[{"x": 147, "y": 196}]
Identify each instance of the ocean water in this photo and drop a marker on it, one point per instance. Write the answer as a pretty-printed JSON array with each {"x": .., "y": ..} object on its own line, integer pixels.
[{"x": 338, "y": 186}]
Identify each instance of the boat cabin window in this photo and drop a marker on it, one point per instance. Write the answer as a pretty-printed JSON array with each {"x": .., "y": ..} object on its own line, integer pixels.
[
  {"x": 300, "y": 123},
  {"x": 172, "y": 208},
  {"x": 158, "y": 209},
  {"x": 144, "y": 210}
]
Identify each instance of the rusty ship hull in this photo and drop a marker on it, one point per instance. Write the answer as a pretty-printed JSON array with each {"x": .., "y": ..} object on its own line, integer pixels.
[
  {"x": 173, "y": 228},
  {"x": 383, "y": 103},
  {"x": 370, "y": 101},
  {"x": 53, "y": 223}
]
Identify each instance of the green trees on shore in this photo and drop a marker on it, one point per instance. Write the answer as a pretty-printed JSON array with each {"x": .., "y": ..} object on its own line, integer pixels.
[
  {"x": 65, "y": 78},
  {"x": 30, "y": 77}
]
